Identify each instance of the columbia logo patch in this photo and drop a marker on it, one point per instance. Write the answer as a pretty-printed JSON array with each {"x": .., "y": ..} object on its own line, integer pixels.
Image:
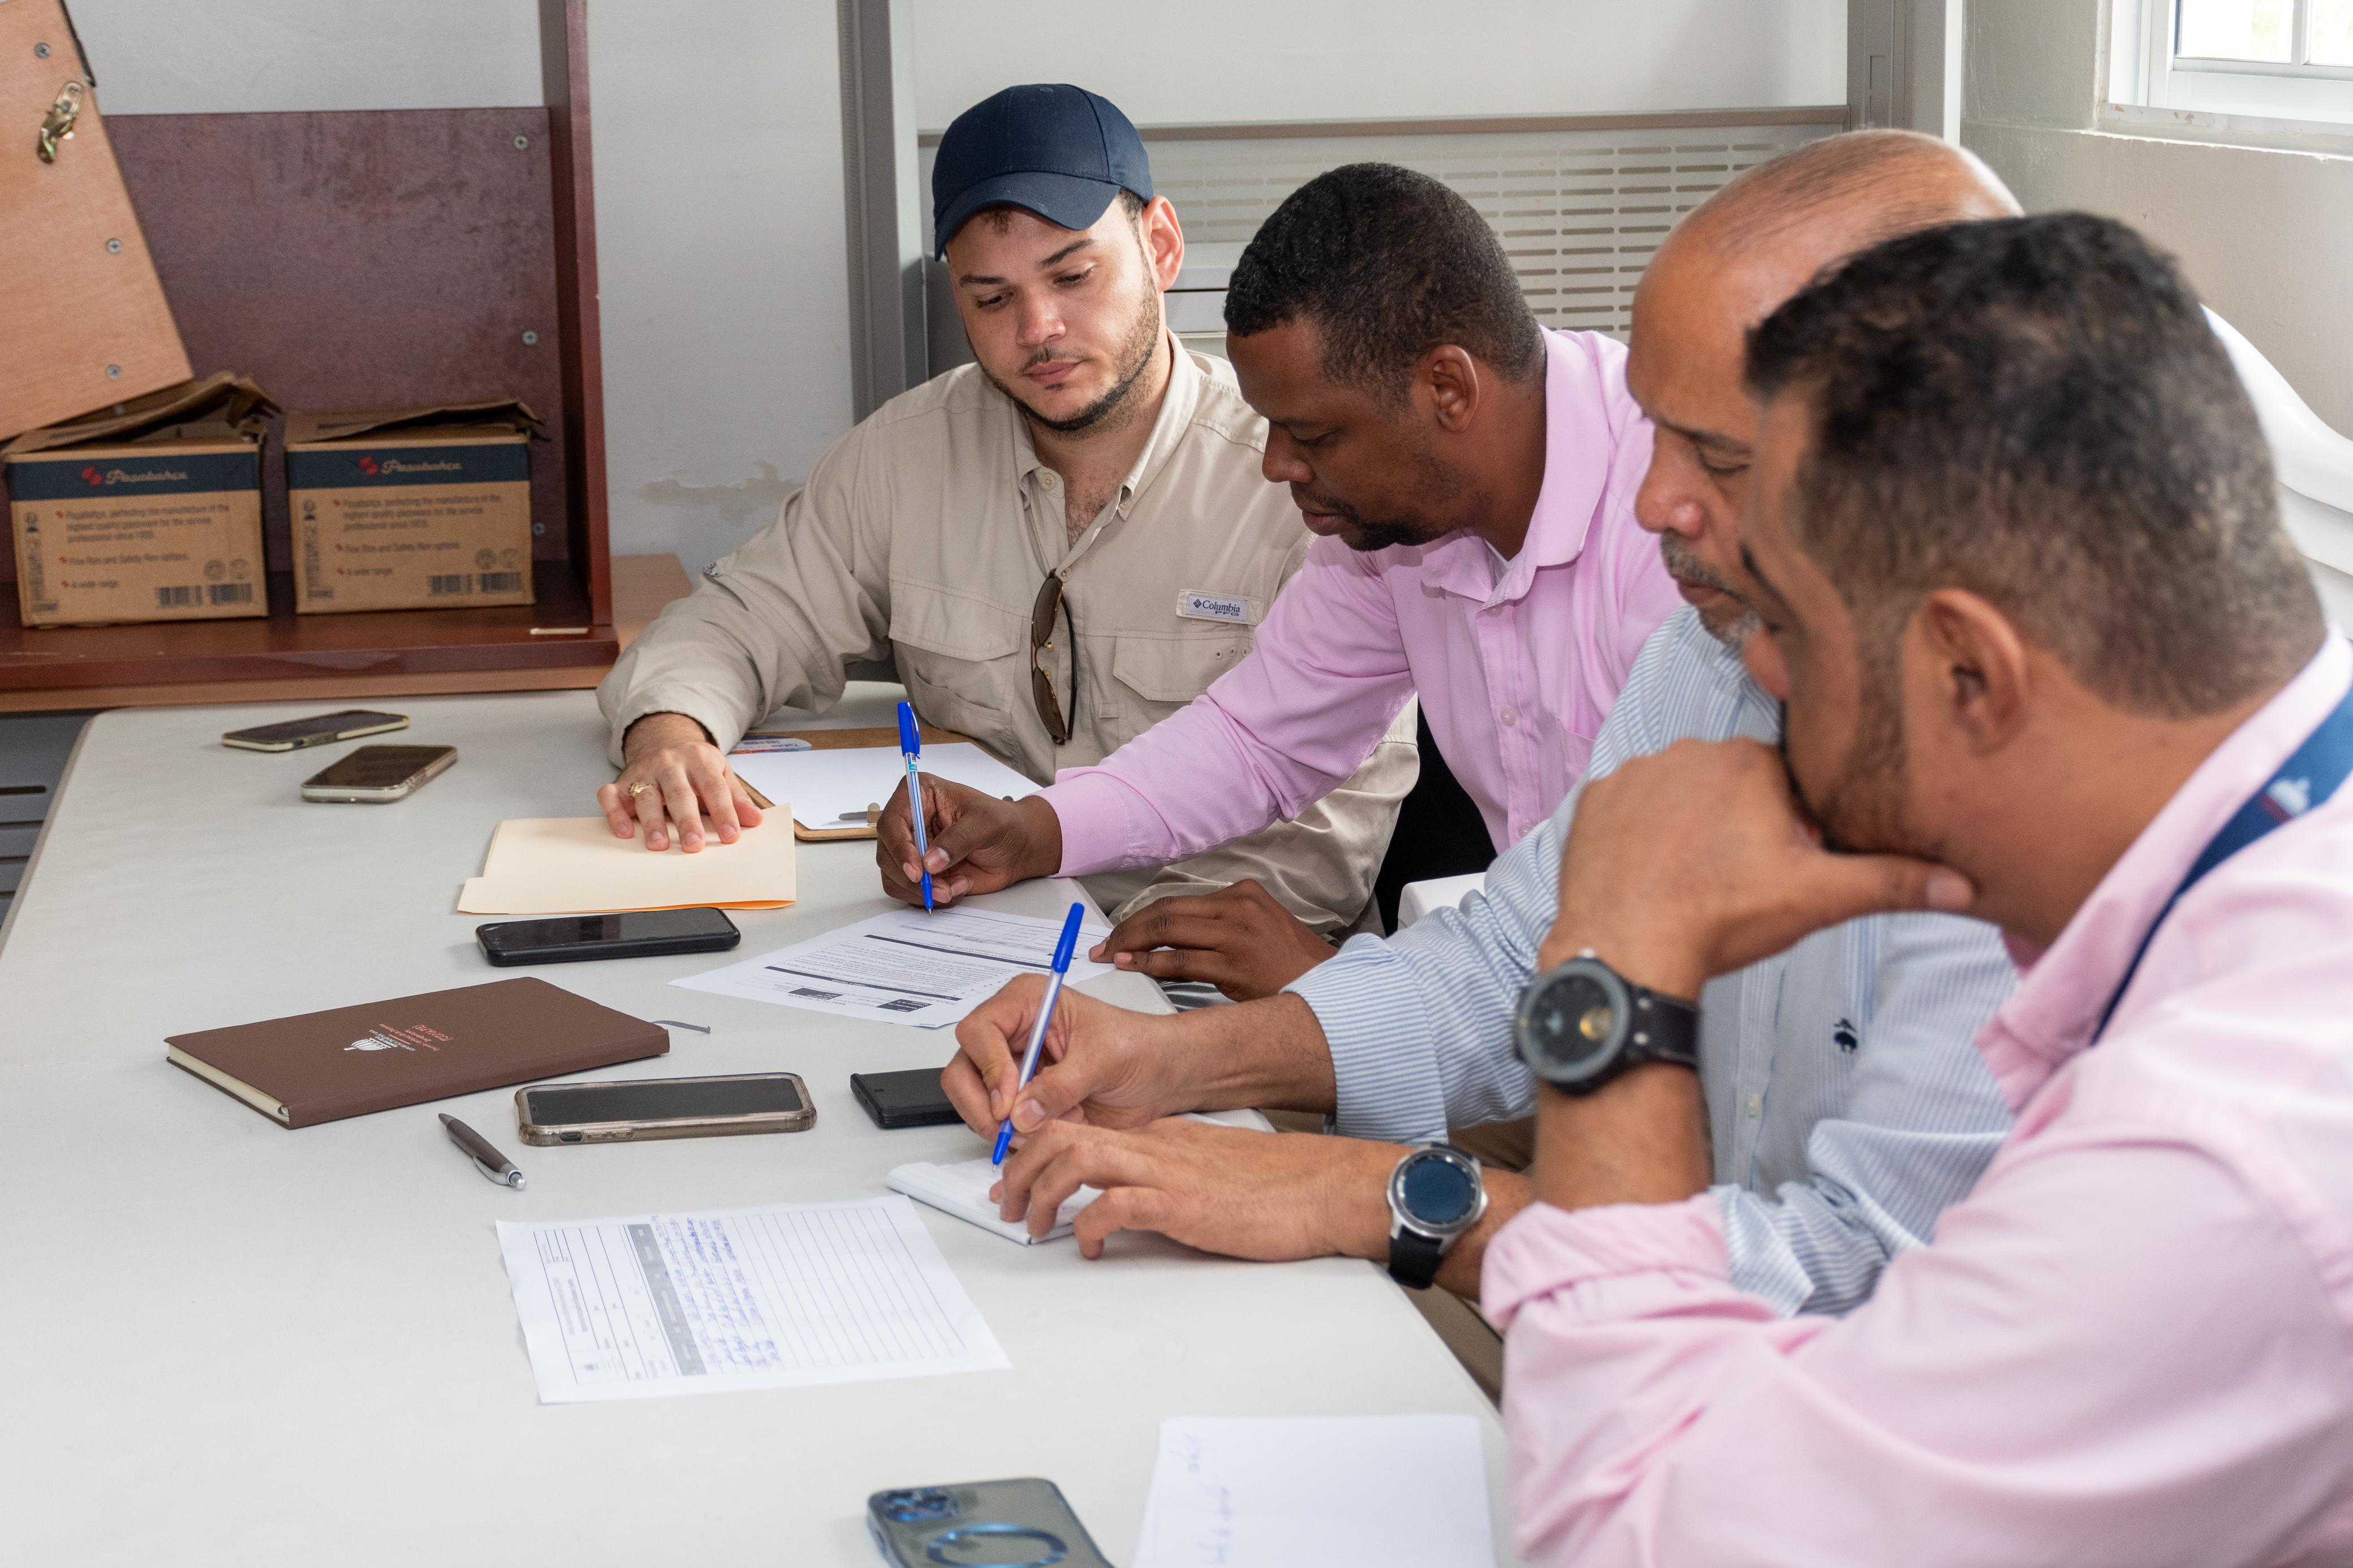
[{"x": 1194, "y": 604}]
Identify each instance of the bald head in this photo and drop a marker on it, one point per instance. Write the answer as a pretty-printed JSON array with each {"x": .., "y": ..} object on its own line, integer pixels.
[
  {"x": 1725, "y": 268},
  {"x": 1845, "y": 194}
]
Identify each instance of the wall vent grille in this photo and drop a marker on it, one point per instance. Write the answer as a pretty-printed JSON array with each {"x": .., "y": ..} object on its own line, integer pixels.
[{"x": 1579, "y": 211}]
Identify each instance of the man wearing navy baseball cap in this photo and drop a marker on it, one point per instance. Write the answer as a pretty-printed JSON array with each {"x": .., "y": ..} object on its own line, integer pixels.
[{"x": 1060, "y": 544}]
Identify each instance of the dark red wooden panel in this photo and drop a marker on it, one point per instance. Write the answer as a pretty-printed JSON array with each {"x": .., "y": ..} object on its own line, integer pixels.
[{"x": 362, "y": 260}]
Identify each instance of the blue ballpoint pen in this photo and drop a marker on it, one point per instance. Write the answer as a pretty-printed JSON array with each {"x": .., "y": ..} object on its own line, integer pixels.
[
  {"x": 1062, "y": 951},
  {"x": 910, "y": 746}
]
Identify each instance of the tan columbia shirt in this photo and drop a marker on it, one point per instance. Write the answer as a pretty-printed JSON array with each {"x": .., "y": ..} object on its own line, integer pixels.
[{"x": 926, "y": 532}]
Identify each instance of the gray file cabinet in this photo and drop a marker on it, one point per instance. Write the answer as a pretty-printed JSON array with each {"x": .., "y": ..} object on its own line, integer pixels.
[{"x": 33, "y": 751}]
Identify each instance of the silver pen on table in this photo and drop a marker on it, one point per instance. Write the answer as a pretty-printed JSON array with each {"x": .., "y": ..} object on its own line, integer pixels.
[{"x": 493, "y": 1165}]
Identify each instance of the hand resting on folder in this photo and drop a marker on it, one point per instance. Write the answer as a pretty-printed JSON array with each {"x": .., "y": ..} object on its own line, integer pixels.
[{"x": 673, "y": 780}]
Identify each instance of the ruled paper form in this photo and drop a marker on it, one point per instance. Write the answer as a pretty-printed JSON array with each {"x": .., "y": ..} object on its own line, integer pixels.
[{"x": 779, "y": 1297}]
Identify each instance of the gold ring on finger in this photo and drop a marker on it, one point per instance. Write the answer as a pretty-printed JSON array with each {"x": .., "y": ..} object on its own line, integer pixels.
[{"x": 638, "y": 788}]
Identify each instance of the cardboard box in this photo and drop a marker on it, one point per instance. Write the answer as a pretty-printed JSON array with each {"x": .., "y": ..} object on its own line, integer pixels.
[
  {"x": 149, "y": 513},
  {"x": 411, "y": 507}
]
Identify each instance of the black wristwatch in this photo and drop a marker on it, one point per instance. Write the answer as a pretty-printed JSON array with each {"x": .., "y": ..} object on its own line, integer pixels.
[
  {"x": 1582, "y": 1023},
  {"x": 1435, "y": 1195}
]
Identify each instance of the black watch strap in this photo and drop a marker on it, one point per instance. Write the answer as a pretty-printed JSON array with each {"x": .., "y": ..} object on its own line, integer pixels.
[
  {"x": 1666, "y": 1029},
  {"x": 1414, "y": 1258}
]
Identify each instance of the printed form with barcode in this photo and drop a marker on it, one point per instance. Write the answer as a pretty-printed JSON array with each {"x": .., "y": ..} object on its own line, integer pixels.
[
  {"x": 905, "y": 967},
  {"x": 784, "y": 1296}
]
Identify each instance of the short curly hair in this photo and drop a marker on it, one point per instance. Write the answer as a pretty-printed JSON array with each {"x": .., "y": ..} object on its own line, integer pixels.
[{"x": 1388, "y": 263}]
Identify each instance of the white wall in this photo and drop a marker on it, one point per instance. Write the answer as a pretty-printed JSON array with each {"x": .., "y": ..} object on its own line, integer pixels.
[
  {"x": 1362, "y": 59},
  {"x": 719, "y": 204},
  {"x": 2262, "y": 233},
  {"x": 261, "y": 57},
  {"x": 726, "y": 271}
]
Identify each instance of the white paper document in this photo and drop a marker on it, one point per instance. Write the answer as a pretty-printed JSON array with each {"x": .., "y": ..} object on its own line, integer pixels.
[
  {"x": 832, "y": 787},
  {"x": 905, "y": 967},
  {"x": 962, "y": 1190},
  {"x": 780, "y": 1297},
  {"x": 1357, "y": 1491}
]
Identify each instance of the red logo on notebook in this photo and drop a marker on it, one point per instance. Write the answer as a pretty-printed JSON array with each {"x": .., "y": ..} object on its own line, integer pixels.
[
  {"x": 92, "y": 478},
  {"x": 367, "y": 466}
]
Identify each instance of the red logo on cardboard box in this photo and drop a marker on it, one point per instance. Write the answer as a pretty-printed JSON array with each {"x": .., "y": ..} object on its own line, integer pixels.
[
  {"x": 92, "y": 478},
  {"x": 367, "y": 463}
]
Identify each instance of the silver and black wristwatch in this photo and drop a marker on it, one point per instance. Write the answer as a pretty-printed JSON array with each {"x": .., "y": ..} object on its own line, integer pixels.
[
  {"x": 1581, "y": 1024},
  {"x": 1435, "y": 1195}
]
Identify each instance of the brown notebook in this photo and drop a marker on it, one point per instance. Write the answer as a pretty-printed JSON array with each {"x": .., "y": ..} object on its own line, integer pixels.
[{"x": 348, "y": 1061}]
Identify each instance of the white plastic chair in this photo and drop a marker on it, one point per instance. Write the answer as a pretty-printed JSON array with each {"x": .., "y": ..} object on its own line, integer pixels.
[{"x": 2315, "y": 472}]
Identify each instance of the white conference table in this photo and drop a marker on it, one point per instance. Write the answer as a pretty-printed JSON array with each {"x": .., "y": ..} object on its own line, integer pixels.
[{"x": 225, "y": 1342}]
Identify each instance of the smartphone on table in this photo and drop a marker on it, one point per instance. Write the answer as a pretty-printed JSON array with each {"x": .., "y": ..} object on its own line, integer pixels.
[
  {"x": 634, "y": 1111},
  {"x": 1022, "y": 1524},
  {"x": 637, "y": 933},
  {"x": 376, "y": 774},
  {"x": 294, "y": 734},
  {"x": 910, "y": 1098}
]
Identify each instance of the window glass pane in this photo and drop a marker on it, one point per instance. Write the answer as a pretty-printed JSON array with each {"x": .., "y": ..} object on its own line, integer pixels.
[
  {"x": 2236, "y": 30},
  {"x": 2332, "y": 32}
]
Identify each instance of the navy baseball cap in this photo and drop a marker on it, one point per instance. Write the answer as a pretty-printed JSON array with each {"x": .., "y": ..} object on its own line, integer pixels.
[{"x": 1059, "y": 151}]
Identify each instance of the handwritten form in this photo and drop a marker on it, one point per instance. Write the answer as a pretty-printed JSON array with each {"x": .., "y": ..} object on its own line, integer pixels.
[
  {"x": 1360, "y": 1491},
  {"x": 779, "y": 1297},
  {"x": 905, "y": 967}
]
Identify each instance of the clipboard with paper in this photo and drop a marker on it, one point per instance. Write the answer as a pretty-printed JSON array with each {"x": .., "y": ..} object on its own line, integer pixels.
[{"x": 836, "y": 788}]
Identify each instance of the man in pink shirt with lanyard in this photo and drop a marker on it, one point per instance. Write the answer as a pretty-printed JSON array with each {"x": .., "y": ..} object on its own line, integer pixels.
[
  {"x": 1472, "y": 476},
  {"x": 2047, "y": 656}
]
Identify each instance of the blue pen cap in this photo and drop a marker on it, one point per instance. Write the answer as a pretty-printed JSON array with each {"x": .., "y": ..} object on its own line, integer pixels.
[
  {"x": 910, "y": 738},
  {"x": 1069, "y": 943}
]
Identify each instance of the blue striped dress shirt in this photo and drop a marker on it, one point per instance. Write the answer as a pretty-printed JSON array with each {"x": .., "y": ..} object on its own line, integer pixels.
[{"x": 1845, "y": 1095}]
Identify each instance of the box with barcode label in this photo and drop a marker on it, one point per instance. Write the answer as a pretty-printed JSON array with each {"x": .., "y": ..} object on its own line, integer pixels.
[
  {"x": 150, "y": 511},
  {"x": 410, "y": 508}
]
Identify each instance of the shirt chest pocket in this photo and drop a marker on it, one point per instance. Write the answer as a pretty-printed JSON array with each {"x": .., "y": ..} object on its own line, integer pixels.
[
  {"x": 1151, "y": 676},
  {"x": 964, "y": 660}
]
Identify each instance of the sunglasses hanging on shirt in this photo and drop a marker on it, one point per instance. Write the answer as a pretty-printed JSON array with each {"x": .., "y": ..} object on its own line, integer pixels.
[{"x": 1042, "y": 640}]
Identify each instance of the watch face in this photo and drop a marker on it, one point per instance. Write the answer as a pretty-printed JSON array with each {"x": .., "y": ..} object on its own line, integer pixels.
[
  {"x": 1574, "y": 1023},
  {"x": 1438, "y": 1192}
]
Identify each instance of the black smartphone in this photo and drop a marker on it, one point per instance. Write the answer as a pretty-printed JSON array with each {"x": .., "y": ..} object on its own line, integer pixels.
[
  {"x": 379, "y": 774},
  {"x": 637, "y": 1110},
  {"x": 641, "y": 934},
  {"x": 294, "y": 734},
  {"x": 910, "y": 1098}
]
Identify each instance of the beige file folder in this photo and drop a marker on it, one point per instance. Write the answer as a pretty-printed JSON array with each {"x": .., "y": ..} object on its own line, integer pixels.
[{"x": 574, "y": 864}]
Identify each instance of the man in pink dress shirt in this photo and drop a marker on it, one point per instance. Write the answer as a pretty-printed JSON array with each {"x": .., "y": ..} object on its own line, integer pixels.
[
  {"x": 1472, "y": 476},
  {"x": 2048, "y": 657}
]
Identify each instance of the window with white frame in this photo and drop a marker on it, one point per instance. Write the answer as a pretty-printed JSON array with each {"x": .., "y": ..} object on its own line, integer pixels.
[{"x": 2228, "y": 61}]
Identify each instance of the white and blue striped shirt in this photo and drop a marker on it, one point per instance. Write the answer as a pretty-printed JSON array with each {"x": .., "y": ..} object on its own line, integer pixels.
[{"x": 1845, "y": 1095}]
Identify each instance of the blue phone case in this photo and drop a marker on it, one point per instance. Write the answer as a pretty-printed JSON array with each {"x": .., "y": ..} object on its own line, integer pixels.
[{"x": 1018, "y": 1523}]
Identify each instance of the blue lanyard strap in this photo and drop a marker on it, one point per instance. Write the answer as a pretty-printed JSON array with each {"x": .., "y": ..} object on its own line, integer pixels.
[{"x": 2309, "y": 776}]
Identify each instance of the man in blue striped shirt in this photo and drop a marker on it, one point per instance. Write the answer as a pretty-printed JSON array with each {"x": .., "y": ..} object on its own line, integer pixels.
[{"x": 1848, "y": 1106}]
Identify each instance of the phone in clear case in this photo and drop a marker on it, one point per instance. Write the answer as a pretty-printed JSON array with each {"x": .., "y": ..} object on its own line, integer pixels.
[{"x": 1021, "y": 1524}]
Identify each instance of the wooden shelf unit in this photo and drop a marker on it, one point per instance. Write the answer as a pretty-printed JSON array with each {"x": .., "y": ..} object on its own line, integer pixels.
[{"x": 370, "y": 259}]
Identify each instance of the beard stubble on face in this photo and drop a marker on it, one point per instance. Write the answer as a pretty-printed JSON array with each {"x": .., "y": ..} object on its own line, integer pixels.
[
  {"x": 1728, "y": 624},
  {"x": 1860, "y": 810},
  {"x": 1432, "y": 486},
  {"x": 1130, "y": 360}
]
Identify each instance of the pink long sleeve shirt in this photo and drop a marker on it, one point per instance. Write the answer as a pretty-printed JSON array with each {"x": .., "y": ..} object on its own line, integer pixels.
[
  {"x": 1516, "y": 664},
  {"x": 2131, "y": 1344}
]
